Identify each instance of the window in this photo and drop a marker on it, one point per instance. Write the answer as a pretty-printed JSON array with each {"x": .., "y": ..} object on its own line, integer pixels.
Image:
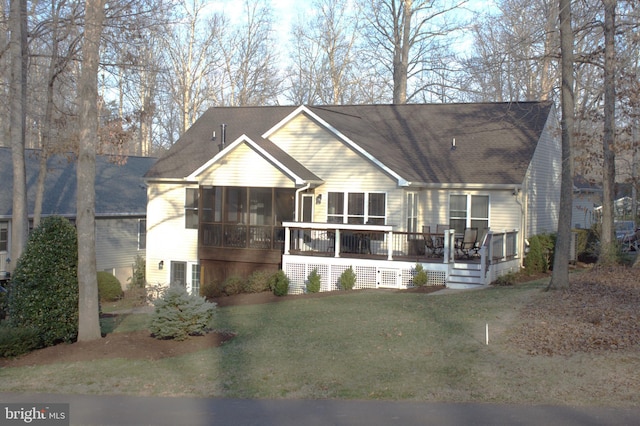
[
  {"x": 469, "y": 211},
  {"x": 195, "y": 279},
  {"x": 142, "y": 234},
  {"x": 361, "y": 208},
  {"x": 178, "y": 274},
  {"x": 4, "y": 236},
  {"x": 412, "y": 212},
  {"x": 191, "y": 208}
]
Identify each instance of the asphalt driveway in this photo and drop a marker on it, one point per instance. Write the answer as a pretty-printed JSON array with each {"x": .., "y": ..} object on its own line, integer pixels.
[{"x": 131, "y": 410}]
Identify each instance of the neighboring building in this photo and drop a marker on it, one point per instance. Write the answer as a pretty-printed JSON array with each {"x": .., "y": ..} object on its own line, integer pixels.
[
  {"x": 586, "y": 198},
  {"x": 266, "y": 187},
  {"x": 121, "y": 202}
]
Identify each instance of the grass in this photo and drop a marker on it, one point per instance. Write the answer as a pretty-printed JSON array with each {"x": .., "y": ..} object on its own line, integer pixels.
[{"x": 360, "y": 345}]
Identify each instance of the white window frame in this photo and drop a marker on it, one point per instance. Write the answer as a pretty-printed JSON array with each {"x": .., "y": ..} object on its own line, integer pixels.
[
  {"x": 366, "y": 217},
  {"x": 468, "y": 218},
  {"x": 413, "y": 199}
]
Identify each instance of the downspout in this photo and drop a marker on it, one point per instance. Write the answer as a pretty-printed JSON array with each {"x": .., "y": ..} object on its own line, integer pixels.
[
  {"x": 297, "y": 203},
  {"x": 523, "y": 223}
]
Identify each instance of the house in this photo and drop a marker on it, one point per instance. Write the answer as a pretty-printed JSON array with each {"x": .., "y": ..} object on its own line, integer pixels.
[
  {"x": 328, "y": 187},
  {"x": 586, "y": 198},
  {"x": 121, "y": 201}
]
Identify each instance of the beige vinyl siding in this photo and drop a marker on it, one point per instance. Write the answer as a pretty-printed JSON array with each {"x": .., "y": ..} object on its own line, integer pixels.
[
  {"x": 117, "y": 246},
  {"x": 245, "y": 167},
  {"x": 542, "y": 182},
  {"x": 167, "y": 238},
  {"x": 341, "y": 168}
]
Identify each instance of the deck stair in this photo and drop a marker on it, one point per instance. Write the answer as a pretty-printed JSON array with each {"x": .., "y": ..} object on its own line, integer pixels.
[{"x": 465, "y": 275}]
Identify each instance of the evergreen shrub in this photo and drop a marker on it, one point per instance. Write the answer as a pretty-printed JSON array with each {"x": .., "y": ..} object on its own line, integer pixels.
[
  {"x": 16, "y": 341},
  {"x": 420, "y": 276},
  {"x": 540, "y": 256},
  {"x": 279, "y": 283},
  {"x": 233, "y": 285},
  {"x": 44, "y": 286},
  {"x": 109, "y": 288},
  {"x": 347, "y": 279},
  {"x": 257, "y": 282},
  {"x": 313, "y": 282},
  {"x": 178, "y": 315},
  {"x": 138, "y": 278}
]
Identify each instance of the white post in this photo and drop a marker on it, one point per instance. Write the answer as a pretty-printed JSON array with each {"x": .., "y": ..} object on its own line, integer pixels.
[
  {"x": 337, "y": 244},
  {"x": 287, "y": 239},
  {"x": 486, "y": 334},
  {"x": 390, "y": 245}
]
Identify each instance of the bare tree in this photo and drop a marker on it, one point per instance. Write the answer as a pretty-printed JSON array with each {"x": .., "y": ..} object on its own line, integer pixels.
[
  {"x": 560, "y": 277},
  {"x": 401, "y": 34},
  {"x": 250, "y": 61},
  {"x": 88, "y": 319},
  {"x": 607, "y": 236},
  {"x": 17, "y": 125},
  {"x": 324, "y": 60}
]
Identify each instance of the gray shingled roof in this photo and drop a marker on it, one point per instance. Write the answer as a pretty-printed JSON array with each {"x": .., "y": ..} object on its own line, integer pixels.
[
  {"x": 494, "y": 141},
  {"x": 120, "y": 189}
]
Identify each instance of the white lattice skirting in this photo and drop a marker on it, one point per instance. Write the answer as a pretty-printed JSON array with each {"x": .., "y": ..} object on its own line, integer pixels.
[{"x": 369, "y": 273}]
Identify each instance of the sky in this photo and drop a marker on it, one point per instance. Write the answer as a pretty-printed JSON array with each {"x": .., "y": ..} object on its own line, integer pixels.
[{"x": 286, "y": 13}]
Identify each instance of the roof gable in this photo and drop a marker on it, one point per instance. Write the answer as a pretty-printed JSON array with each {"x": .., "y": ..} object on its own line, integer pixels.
[{"x": 269, "y": 153}]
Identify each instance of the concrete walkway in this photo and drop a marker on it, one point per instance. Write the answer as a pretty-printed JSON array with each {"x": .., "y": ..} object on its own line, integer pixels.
[{"x": 130, "y": 410}]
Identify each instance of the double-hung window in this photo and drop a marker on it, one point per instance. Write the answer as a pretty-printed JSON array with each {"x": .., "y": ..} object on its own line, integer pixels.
[
  {"x": 191, "y": 208},
  {"x": 469, "y": 211},
  {"x": 357, "y": 207},
  {"x": 4, "y": 236},
  {"x": 142, "y": 234}
]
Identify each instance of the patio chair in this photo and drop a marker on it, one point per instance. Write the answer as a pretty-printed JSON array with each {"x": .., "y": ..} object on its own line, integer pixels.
[
  {"x": 469, "y": 240},
  {"x": 439, "y": 239},
  {"x": 430, "y": 241}
]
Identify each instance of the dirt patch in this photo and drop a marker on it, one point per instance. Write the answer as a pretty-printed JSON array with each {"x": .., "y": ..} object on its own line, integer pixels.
[{"x": 140, "y": 344}]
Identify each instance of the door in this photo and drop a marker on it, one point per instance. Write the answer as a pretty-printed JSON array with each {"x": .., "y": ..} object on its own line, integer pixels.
[{"x": 178, "y": 274}]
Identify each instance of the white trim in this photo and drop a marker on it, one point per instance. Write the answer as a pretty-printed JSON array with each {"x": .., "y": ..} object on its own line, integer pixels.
[
  {"x": 304, "y": 110},
  {"x": 245, "y": 139}
]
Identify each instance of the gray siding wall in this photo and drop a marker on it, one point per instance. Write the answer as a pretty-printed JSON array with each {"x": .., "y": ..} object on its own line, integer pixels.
[{"x": 117, "y": 246}]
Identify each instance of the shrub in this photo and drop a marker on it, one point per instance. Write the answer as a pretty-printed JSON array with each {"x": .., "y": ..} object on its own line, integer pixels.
[
  {"x": 211, "y": 289},
  {"x": 313, "y": 282},
  {"x": 257, "y": 282},
  {"x": 178, "y": 315},
  {"x": 347, "y": 279},
  {"x": 44, "y": 287},
  {"x": 279, "y": 283},
  {"x": 16, "y": 341},
  {"x": 420, "y": 276},
  {"x": 233, "y": 285},
  {"x": 109, "y": 288},
  {"x": 138, "y": 278},
  {"x": 540, "y": 256},
  {"x": 507, "y": 279}
]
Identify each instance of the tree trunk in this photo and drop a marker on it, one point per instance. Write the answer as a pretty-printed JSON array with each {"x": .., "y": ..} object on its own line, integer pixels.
[
  {"x": 17, "y": 127},
  {"x": 560, "y": 277},
  {"x": 608, "y": 247},
  {"x": 88, "y": 314}
]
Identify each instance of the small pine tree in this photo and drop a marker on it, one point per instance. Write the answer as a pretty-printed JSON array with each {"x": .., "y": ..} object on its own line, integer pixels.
[
  {"x": 313, "y": 282},
  {"x": 279, "y": 283},
  {"x": 347, "y": 279},
  {"x": 420, "y": 276},
  {"x": 178, "y": 315}
]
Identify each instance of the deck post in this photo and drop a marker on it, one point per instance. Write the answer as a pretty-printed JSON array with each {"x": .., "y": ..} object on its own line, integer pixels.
[
  {"x": 287, "y": 240},
  {"x": 390, "y": 245},
  {"x": 337, "y": 244}
]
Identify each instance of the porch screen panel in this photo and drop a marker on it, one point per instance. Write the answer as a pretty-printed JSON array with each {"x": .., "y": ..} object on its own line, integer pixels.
[
  {"x": 260, "y": 206},
  {"x": 236, "y": 205}
]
